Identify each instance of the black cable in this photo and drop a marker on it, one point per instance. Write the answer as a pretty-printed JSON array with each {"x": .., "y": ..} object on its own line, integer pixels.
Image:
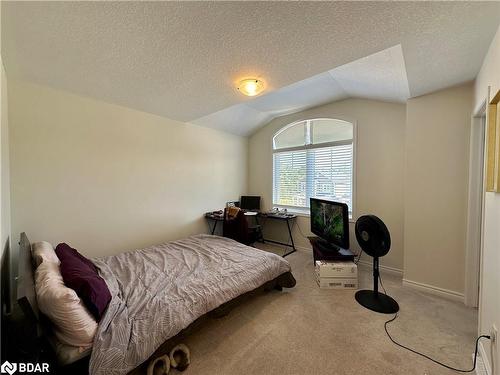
[
  {"x": 359, "y": 257},
  {"x": 432, "y": 359},
  {"x": 381, "y": 283},
  {"x": 424, "y": 355}
]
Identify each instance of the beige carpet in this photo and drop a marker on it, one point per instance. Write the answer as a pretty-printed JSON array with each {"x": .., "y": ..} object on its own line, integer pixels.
[{"x": 306, "y": 330}]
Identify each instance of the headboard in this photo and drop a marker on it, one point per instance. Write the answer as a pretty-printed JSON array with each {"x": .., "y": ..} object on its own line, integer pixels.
[
  {"x": 23, "y": 326},
  {"x": 26, "y": 294},
  {"x": 5, "y": 280}
]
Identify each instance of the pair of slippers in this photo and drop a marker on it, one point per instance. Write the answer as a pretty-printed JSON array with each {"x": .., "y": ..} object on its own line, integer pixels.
[{"x": 179, "y": 358}]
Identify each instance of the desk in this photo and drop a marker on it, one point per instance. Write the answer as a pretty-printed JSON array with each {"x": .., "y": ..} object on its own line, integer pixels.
[
  {"x": 287, "y": 218},
  {"x": 216, "y": 218},
  {"x": 210, "y": 216}
]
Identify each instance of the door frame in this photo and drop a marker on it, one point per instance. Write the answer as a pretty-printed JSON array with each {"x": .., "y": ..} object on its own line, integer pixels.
[{"x": 475, "y": 207}]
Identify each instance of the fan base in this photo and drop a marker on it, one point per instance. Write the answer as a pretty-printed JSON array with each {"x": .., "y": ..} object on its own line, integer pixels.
[{"x": 377, "y": 301}]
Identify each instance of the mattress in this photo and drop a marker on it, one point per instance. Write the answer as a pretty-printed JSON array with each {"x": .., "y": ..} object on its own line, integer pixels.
[{"x": 160, "y": 290}]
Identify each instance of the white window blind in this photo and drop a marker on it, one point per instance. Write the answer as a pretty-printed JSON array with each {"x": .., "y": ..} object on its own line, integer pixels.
[
  {"x": 290, "y": 178},
  {"x": 323, "y": 170}
]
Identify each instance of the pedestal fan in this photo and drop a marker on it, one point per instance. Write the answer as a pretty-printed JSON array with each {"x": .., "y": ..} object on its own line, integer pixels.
[{"x": 375, "y": 240}]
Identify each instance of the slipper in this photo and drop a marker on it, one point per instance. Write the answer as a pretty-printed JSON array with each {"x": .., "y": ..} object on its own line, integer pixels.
[
  {"x": 180, "y": 357},
  {"x": 159, "y": 366}
]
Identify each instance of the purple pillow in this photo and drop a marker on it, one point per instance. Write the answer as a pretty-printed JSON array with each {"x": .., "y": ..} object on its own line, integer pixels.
[
  {"x": 65, "y": 248},
  {"x": 80, "y": 274}
]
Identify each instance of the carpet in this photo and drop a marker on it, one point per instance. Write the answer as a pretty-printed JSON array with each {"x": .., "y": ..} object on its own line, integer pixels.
[{"x": 307, "y": 330}]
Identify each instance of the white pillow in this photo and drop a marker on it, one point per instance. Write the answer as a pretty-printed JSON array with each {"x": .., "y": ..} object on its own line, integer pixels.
[
  {"x": 73, "y": 324},
  {"x": 66, "y": 354},
  {"x": 43, "y": 252}
]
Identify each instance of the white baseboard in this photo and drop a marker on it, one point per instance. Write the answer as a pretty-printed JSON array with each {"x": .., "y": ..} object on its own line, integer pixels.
[
  {"x": 483, "y": 366},
  {"x": 383, "y": 269},
  {"x": 445, "y": 293}
]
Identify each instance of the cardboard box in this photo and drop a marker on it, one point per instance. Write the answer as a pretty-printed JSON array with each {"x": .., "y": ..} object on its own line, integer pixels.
[
  {"x": 337, "y": 283},
  {"x": 346, "y": 270}
]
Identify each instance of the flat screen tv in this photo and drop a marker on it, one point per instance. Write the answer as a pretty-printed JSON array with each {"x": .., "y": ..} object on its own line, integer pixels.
[{"x": 330, "y": 222}]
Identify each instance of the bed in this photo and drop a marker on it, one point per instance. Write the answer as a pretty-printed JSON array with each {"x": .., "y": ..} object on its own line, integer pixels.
[{"x": 160, "y": 294}]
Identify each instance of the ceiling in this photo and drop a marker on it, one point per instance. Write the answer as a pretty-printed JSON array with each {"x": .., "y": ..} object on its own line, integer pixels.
[
  {"x": 181, "y": 60},
  {"x": 379, "y": 76}
]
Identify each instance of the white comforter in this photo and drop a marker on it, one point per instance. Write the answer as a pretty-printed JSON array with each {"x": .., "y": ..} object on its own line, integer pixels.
[{"x": 160, "y": 290}]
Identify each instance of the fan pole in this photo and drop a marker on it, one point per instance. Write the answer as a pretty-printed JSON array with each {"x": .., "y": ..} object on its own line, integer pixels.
[{"x": 373, "y": 299}]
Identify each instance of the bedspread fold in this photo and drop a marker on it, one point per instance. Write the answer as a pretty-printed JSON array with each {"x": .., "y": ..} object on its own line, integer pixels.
[{"x": 160, "y": 290}]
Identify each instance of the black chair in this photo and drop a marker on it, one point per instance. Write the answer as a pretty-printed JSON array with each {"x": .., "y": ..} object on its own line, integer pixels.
[{"x": 238, "y": 229}]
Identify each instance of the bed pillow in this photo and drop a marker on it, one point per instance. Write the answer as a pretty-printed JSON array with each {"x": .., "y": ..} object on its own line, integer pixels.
[
  {"x": 73, "y": 324},
  {"x": 43, "y": 252},
  {"x": 80, "y": 274},
  {"x": 68, "y": 250}
]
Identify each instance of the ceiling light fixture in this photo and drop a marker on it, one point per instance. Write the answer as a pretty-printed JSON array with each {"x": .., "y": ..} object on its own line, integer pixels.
[{"x": 251, "y": 86}]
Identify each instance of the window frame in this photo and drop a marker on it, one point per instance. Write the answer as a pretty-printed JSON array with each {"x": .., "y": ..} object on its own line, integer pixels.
[{"x": 304, "y": 211}]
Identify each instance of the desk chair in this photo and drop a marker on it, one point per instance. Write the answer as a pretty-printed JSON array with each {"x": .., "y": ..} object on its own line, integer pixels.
[{"x": 237, "y": 228}]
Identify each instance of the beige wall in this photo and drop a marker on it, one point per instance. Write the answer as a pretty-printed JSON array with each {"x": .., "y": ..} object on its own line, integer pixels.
[
  {"x": 4, "y": 162},
  {"x": 379, "y": 166},
  {"x": 436, "y": 176},
  {"x": 489, "y": 301},
  {"x": 106, "y": 178}
]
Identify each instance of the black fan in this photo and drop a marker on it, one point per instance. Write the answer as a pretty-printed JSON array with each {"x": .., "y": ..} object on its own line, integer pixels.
[{"x": 375, "y": 240}]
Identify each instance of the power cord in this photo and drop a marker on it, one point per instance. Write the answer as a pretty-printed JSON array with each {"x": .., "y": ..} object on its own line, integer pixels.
[
  {"x": 432, "y": 359},
  {"x": 359, "y": 258},
  {"x": 381, "y": 283},
  {"x": 424, "y": 355}
]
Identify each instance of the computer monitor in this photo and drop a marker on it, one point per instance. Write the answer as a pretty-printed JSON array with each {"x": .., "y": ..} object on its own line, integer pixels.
[
  {"x": 330, "y": 222},
  {"x": 251, "y": 203}
]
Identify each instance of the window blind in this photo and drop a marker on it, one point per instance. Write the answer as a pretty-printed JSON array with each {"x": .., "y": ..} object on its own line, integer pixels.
[
  {"x": 323, "y": 172},
  {"x": 289, "y": 177}
]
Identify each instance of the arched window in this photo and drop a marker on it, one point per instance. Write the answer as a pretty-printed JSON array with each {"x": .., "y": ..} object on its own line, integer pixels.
[{"x": 313, "y": 158}]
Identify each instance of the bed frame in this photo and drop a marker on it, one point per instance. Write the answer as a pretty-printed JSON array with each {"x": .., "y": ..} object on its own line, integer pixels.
[
  {"x": 26, "y": 297},
  {"x": 21, "y": 321}
]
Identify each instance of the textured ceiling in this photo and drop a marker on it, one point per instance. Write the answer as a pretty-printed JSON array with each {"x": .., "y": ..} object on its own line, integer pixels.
[
  {"x": 181, "y": 59},
  {"x": 379, "y": 76}
]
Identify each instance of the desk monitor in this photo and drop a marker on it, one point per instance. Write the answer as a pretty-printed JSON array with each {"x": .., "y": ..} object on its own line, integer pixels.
[
  {"x": 330, "y": 222},
  {"x": 251, "y": 203}
]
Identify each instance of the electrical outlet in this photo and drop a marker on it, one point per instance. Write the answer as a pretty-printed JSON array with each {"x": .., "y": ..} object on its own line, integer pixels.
[{"x": 494, "y": 334}]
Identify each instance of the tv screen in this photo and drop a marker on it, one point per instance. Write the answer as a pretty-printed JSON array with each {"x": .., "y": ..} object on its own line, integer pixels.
[{"x": 330, "y": 221}]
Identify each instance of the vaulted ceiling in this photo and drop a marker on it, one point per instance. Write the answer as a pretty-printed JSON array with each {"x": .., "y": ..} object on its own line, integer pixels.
[
  {"x": 181, "y": 60},
  {"x": 379, "y": 76}
]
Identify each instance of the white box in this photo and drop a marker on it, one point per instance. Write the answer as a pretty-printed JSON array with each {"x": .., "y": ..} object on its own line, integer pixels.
[
  {"x": 346, "y": 270},
  {"x": 337, "y": 283}
]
